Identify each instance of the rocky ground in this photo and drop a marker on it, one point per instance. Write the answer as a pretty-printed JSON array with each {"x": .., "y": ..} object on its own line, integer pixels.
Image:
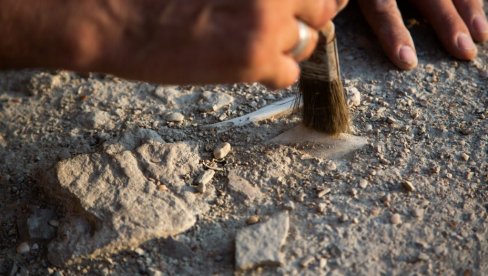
[{"x": 103, "y": 176}]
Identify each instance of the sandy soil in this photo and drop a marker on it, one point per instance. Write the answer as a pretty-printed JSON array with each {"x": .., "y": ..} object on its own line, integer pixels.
[{"x": 427, "y": 127}]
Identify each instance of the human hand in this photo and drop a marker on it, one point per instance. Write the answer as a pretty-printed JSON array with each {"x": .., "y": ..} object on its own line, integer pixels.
[
  {"x": 456, "y": 22},
  {"x": 217, "y": 41},
  {"x": 164, "y": 41}
]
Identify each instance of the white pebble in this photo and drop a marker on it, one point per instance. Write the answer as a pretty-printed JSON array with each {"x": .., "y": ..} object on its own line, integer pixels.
[
  {"x": 175, "y": 117},
  {"x": 23, "y": 248},
  {"x": 222, "y": 150},
  {"x": 354, "y": 98},
  {"x": 363, "y": 183},
  {"x": 408, "y": 186},
  {"x": 396, "y": 219}
]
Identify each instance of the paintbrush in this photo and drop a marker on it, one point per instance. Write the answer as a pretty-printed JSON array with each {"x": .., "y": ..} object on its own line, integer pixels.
[{"x": 324, "y": 103}]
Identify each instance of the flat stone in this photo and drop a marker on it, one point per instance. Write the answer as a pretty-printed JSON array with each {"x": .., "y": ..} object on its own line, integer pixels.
[
  {"x": 243, "y": 187},
  {"x": 214, "y": 101},
  {"x": 321, "y": 145},
  {"x": 260, "y": 244},
  {"x": 116, "y": 204}
]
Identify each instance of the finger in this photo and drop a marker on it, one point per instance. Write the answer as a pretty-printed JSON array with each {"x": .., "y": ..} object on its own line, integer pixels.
[
  {"x": 284, "y": 74},
  {"x": 449, "y": 26},
  {"x": 474, "y": 16},
  {"x": 316, "y": 13},
  {"x": 386, "y": 21}
]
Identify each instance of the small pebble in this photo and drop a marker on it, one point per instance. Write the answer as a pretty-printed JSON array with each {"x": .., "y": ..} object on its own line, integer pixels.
[
  {"x": 140, "y": 251},
  {"x": 363, "y": 183},
  {"x": 175, "y": 117},
  {"x": 290, "y": 205},
  {"x": 423, "y": 257},
  {"x": 253, "y": 219},
  {"x": 375, "y": 212},
  {"x": 222, "y": 150},
  {"x": 408, "y": 186},
  {"x": 321, "y": 208},
  {"x": 204, "y": 179},
  {"x": 23, "y": 248},
  {"x": 464, "y": 156},
  {"x": 323, "y": 192},
  {"x": 354, "y": 98},
  {"x": 54, "y": 223},
  {"x": 396, "y": 219},
  {"x": 418, "y": 212},
  {"x": 332, "y": 166},
  {"x": 307, "y": 261},
  {"x": 322, "y": 263}
]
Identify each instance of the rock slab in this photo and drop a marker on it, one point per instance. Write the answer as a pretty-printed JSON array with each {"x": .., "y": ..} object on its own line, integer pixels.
[
  {"x": 115, "y": 199},
  {"x": 260, "y": 244}
]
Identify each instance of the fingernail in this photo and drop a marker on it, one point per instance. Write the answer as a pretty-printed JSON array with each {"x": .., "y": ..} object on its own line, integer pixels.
[
  {"x": 464, "y": 42},
  {"x": 407, "y": 55},
  {"x": 480, "y": 25}
]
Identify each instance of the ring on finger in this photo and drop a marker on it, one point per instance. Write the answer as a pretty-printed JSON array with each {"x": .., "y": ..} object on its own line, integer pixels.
[{"x": 304, "y": 36}]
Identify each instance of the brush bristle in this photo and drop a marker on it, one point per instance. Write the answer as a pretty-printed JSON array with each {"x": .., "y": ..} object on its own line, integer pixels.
[{"x": 324, "y": 105}]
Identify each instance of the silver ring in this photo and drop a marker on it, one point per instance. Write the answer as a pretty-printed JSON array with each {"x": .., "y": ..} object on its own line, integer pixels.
[{"x": 303, "y": 39}]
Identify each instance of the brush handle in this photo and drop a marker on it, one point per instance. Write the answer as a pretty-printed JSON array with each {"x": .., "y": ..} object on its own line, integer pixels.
[{"x": 324, "y": 63}]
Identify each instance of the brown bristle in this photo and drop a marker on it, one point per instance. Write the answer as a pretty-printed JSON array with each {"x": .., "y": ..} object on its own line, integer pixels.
[{"x": 324, "y": 105}]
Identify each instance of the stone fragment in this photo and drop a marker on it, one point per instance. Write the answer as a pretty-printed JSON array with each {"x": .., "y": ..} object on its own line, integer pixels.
[
  {"x": 464, "y": 156},
  {"x": 323, "y": 192},
  {"x": 363, "y": 183},
  {"x": 396, "y": 219},
  {"x": 23, "y": 248},
  {"x": 115, "y": 204},
  {"x": 222, "y": 150},
  {"x": 175, "y": 117},
  {"x": 214, "y": 101},
  {"x": 307, "y": 261},
  {"x": 252, "y": 219},
  {"x": 418, "y": 213},
  {"x": 407, "y": 185},
  {"x": 243, "y": 187},
  {"x": 354, "y": 97},
  {"x": 260, "y": 244},
  {"x": 204, "y": 178}
]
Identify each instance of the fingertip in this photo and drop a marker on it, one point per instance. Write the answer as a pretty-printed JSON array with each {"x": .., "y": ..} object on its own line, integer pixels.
[
  {"x": 466, "y": 49},
  {"x": 479, "y": 28},
  {"x": 407, "y": 58}
]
